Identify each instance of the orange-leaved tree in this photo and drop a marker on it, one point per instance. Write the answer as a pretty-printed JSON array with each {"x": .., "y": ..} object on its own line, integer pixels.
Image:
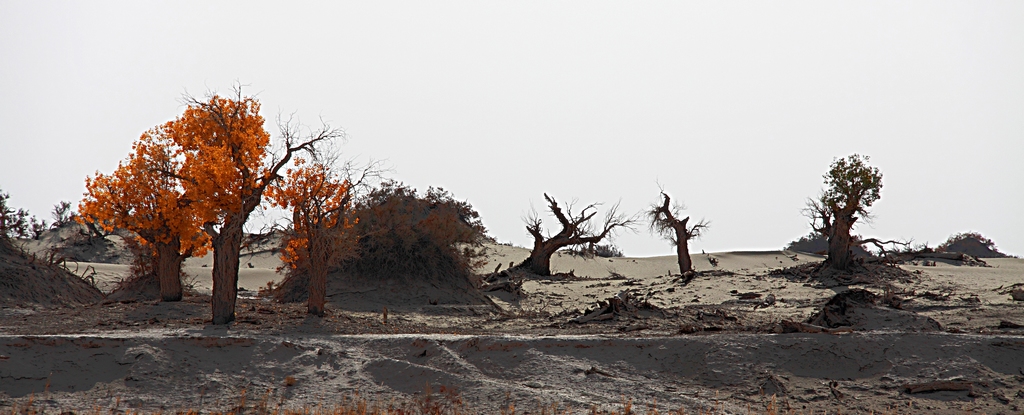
[
  {"x": 144, "y": 196},
  {"x": 227, "y": 166},
  {"x": 321, "y": 237}
]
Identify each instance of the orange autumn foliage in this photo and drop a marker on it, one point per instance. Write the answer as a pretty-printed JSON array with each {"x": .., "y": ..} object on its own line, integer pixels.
[
  {"x": 144, "y": 196},
  {"x": 226, "y": 168},
  {"x": 140, "y": 197},
  {"x": 321, "y": 234},
  {"x": 223, "y": 145}
]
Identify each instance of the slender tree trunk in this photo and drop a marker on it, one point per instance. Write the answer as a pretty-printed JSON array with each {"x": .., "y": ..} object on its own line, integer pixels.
[
  {"x": 227, "y": 245},
  {"x": 683, "y": 252},
  {"x": 168, "y": 270},
  {"x": 318, "y": 258},
  {"x": 839, "y": 255}
]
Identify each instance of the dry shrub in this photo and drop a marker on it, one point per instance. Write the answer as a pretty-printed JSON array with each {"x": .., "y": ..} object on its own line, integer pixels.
[
  {"x": 971, "y": 243},
  {"x": 404, "y": 233},
  {"x": 816, "y": 243},
  {"x": 27, "y": 279}
]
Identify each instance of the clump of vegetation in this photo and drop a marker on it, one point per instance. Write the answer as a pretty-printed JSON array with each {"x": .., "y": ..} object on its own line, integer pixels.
[
  {"x": 595, "y": 250},
  {"x": 18, "y": 223},
  {"x": 973, "y": 244},
  {"x": 403, "y": 233},
  {"x": 851, "y": 187},
  {"x": 816, "y": 243},
  {"x": 13, "y": 222}
]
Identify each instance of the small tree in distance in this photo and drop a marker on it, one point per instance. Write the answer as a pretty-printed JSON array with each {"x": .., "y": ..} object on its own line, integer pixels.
[
  {"x": 852, "y": 186},
  {"x": 665, "y": 221},
  {"x": 577, "y": 230}
]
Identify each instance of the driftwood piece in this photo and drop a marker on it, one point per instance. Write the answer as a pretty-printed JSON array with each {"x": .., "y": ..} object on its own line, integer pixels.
[
  {"x": 1017, "y": 295},
  {"x": 624, "y": 303},
  {"x": 937, "y": 386},
  {"x": 1006, "y": 324},
  {"x": 798, "y": 327},
  {"x": 833, "y": 386},
  {"x": 594, "y": 369}
]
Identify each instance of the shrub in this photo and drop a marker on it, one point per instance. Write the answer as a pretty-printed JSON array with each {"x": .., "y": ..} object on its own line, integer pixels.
[
  {"x": 594, "y": 250},
  {"x": 404, "y": 233},
  {"x": 13, "y": 223},
  {"x": 971, "y": 243},
  {"x": 816, "y": 243}
]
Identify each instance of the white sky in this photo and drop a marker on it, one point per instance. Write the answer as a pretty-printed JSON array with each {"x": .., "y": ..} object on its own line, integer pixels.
[{"x": 736, "y": 108}]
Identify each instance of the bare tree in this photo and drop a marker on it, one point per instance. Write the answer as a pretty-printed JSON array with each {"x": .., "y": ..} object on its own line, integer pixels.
[
  {"x": 664, "y": 220},
  {"x": 62, "y": 214},
  {"x": 577, "y": 230}
]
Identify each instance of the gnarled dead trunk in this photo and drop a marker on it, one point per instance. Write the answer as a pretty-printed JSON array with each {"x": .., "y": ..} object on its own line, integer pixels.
[
  {"x": 539, "y": 261},
  {"x": 576, "y": 230},
  {"x": 665, "y": 221},
  {"x": 683, "y": 254}
]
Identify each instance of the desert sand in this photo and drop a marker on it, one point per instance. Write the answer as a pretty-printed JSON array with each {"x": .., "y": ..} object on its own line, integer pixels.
[{"x": 719, "y": 342}]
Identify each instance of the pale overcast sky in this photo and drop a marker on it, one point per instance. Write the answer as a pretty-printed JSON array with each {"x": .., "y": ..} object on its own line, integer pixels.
[{"x": 736, "y": 108}]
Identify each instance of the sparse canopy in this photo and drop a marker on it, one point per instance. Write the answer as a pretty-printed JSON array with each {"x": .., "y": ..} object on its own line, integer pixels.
[
  {"x": 321, "y": 235},
  {"x": 665, "y": 221},
  {"x": 577, "y": 230},
  {"x": 852, "y": 186}
]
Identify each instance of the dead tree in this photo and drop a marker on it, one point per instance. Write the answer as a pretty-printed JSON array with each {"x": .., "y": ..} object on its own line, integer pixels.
[
  {"x": 664, "y": 220},
  {"x": 577, "y": 230}
]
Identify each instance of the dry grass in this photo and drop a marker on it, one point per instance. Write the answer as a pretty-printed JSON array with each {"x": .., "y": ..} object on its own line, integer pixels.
[{"x": 446, "y": 401}]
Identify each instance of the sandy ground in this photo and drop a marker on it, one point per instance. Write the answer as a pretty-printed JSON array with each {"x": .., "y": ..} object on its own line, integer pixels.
[{"x": 697, "y": 346}]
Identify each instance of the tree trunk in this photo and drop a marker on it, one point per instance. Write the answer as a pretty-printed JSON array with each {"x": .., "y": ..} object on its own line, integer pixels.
[
  {"x": 539, "y": 261},
  {"x": 168, "y": 270},
  {"x": 227, "y": 245},
  {"x": 317, "y": 291},
  {"x": 839, "y": 255},
  {"x": 683, "y": 252},
  {"x": 318, "y": 258}
]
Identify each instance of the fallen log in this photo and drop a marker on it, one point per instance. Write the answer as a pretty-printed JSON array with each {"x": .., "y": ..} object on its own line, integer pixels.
[
  {"x": 1006, "y": 324},
  {"x": 594, "y": 369},
  {"x": 938, "y": 386},
  {"x": 798, "y": 327}
]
